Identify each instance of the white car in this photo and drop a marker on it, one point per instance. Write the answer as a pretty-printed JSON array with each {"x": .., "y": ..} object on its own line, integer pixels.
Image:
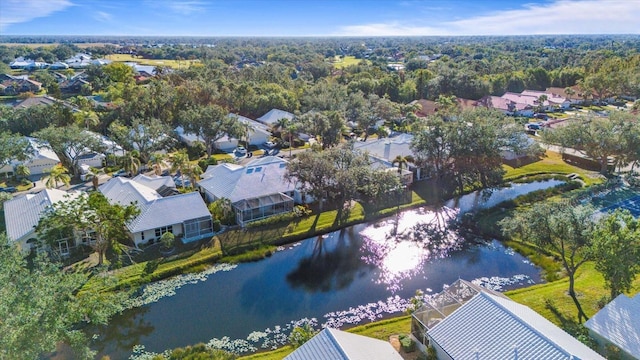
[
  {"x": 270, "y": 144},
  {"x": 241, "y": 150}
]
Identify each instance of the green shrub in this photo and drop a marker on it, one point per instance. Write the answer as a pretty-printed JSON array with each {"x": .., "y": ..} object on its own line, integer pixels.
[
  {"x": 407, "y": 343},
  {"x": 151, "y": 266},
  {"x": 300, "y": 335}
]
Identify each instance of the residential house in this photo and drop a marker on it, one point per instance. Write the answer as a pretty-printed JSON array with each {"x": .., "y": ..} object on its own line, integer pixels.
[
  {"x": 184, "y": 215},
  {"x": 44, "y": 100},
  {"x": 257, "y": 134},
  {"x": 466, "y": 321},
  {"x": 74, "y": 86},
  {"x": 466, "y": 104},
  {"x": 271, "y": 118},
  {"x": 507, "y": 106},
  {"x": 27, "y": 64},
  {"x": 58, "y": 65},
  {"x": 340, "y": 345},
  {"x": 14, "y": 85},
  {"x": 79, "y": 60},
  {"x": 23, "y": 213},
  {"x": 618, "y": 323},
  {"x": 256, "y": 191},
  {"x": 427, "y": 107},
  {"x": 41, "y": 159},
  {"x": 574, "y": 97},
  {"x": 553, "y": 101},
  {"x": 384, "y": 151}
]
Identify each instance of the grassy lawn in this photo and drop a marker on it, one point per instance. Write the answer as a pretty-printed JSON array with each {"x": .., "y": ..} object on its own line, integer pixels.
[
  {"x": 551, "y": 163},
  {"x": 153, "y": 62},
  {"x": 342, "y": 62},
  {"x": 589, "y": 286}
]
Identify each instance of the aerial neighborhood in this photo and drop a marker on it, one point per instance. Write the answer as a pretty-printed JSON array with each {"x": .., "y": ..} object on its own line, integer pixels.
[{"x": 502, "y": 179}]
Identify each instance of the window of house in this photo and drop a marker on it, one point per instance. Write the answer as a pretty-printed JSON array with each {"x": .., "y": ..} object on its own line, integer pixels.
[
  {"x": 142, "y": 236},
  {"x": 162, "y": 230},
  {"x": 63, "y": 247},
  {"x": 89, "y": 237}
]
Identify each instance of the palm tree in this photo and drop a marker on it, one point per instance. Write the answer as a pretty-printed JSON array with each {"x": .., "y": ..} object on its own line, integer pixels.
[
  {"x": 402, "y": 160},
  {"x": 180, "y": 162},
  {"x": 157, "y": 160},
  {"x": 22, "y": 171},
  {"x": 541, "y": 99},
  {"x": 289, "y": 129},
  {"x": 57, "y": 174},
  {"x": 131, "y": 162},
  {"x": 194, "y": 171}
]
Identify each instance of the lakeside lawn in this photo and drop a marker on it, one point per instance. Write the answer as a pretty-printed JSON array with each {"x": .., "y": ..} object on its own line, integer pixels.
[{"x": 551, "y": 163}]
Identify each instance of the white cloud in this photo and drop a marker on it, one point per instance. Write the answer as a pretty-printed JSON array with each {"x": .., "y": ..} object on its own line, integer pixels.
[
  {"x": 186, "y": 7},
  {"x": 389, "y": 29},
  {"x": 102, "y": 16},
  {"x": 20, "y": 11},
  {"x": 559, "y": 17}
]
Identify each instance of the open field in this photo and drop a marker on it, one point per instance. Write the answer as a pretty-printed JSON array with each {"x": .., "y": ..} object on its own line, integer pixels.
[
  {"x": 342, "y": 62},
  {"x": 176, "y": 64}
]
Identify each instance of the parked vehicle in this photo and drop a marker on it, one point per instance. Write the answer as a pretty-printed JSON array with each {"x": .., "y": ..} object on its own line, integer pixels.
[{"x": 8, "y": 189}]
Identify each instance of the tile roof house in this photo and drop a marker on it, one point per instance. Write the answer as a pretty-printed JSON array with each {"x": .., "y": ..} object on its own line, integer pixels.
[
  {"x": 41, "y": 158},
  {"x": 618, "y": 323},
  {"x": 13, "y": 85},
  {"x": 256, "y": 191},
  {"x": 466, "y": 321},
  {"x": 340, "y": 345},
  {"x": 507, "y": 105},
  {"x": 428, "y": 107},
  {"x": 22, "y": 214},
  {"x": 271, "y": 118},
  {"x": 184, "y": 215}
]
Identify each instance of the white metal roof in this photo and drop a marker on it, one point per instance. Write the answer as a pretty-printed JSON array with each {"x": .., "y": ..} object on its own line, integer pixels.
[
  {"x": 340, "y": 345},
  {"x": 619, "y": 322},
  {"x": 40, "y": 149},
  {"x": 491, "y": 327},
  {"x": 260, "y": 177},
  {"x": 154, "y": 182},
  {"x": 155, "y": 211},
  {"x": 388, "y": 148},
  {"x": 22, "y": 213},
  {"x": 274, "y": 115}
]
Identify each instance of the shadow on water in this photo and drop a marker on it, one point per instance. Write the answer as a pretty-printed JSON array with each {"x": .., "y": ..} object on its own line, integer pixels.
[
  {"x": 125, "y": 333},
  {"x": 329, "y": 269}
]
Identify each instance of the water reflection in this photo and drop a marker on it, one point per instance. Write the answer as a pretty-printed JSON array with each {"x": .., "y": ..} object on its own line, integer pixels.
[
  {"x": 131, "y": 328},
  {"x": 333, "y": 265},
  {"x": 400, "y": 247}
]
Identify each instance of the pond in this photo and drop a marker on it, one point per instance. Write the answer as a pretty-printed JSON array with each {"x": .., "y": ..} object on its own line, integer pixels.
[{"x": 356, "y": 275}]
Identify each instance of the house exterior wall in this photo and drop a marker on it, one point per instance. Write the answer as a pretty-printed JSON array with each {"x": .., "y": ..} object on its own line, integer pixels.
[
  {"x": 95, "y": 161},
  {"x": 40, "y": 166},
  {"x": 226, "y": 144},
  {"x": 257, "y": 138},
  {"x": 149, "y": 236},
  {"x": 603, "y": 342}
]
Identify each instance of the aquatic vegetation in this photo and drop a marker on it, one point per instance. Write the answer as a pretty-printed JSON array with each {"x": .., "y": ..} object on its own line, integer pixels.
[{"x": 155, "y": 291}]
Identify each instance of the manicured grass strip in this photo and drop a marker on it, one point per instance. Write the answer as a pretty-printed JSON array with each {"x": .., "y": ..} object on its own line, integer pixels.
[
  {"x": 133, "y": 275},
  {"x": 552, "y": 163},
  {"x": 345, "y": 61}
]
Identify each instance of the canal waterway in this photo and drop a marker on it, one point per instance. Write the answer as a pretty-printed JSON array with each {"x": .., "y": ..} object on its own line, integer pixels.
[{"x": 356, "y": 275}]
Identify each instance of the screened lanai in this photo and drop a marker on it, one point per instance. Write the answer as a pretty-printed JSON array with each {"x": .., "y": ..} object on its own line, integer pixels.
[
  {"x": 253, "y": 209},
  {"x": 441, "y": 305}
]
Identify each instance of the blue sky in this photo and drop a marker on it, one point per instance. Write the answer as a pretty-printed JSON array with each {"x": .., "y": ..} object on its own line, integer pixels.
[{"x": 318, "y": 17}]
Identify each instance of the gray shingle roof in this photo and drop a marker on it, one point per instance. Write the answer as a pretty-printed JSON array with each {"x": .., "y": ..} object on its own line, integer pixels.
[
  {"x": 274, "y": 115},
  {"x": 387, "y": 149},
  {"x": 260, "y": 177},
  {"x": 619, "y": 322},
  {"x": 22, "y": 213},
  {"x": 155, "y": 211},
  {"x": 332, "y": 344},
  {"x": 491, "y": 327}
]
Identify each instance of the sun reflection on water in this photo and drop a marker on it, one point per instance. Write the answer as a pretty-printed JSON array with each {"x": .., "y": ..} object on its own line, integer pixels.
[{"x": 398, "y": 247}]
